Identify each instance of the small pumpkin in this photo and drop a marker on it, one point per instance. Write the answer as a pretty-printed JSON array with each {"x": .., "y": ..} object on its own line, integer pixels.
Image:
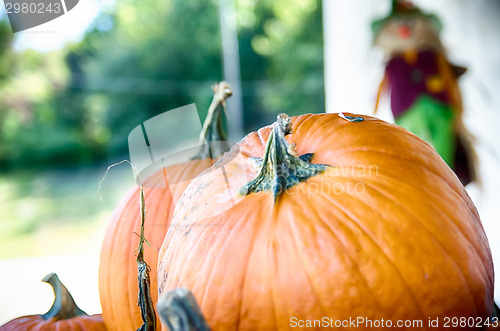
[
  {"x": 118, "y": 285},
  {"x": 347, "y": 216},
  {"x": 63, "y": 315}
]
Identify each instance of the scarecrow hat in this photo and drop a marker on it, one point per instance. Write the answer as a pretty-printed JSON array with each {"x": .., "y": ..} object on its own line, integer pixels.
[{"x": 404, "y": 9}]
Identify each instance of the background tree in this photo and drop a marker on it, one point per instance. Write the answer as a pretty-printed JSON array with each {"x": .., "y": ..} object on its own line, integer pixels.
[{"x": 141, "y": 58}]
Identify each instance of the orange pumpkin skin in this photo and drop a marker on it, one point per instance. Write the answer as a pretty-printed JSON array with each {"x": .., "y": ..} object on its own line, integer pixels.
[
  {"x": 405, "y": 244},
  {"x": 37, "y": 323},
  {"x": 118, "y": 287}
]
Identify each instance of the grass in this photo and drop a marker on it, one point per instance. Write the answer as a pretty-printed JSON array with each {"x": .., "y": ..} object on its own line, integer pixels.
[{"x": 59, "y": 211}]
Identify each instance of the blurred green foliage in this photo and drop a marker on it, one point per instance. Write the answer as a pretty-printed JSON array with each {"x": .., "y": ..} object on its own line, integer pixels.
[
  {"x": 77, "y": 105},
  {"x": 58, "y": 211}
]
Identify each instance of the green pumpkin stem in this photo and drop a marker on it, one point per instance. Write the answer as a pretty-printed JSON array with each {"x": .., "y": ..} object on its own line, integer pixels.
[
  {"x": 213, "y": 138},
  {"x": 281, "y": 168},
  {"x": 64, "y": 306},
  {"x": 179, "y": 311},
  {"x": 145, "y": 302}
]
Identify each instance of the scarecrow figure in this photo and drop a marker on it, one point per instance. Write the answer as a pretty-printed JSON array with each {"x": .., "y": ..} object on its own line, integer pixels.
[{"x": 423, "y": 86}]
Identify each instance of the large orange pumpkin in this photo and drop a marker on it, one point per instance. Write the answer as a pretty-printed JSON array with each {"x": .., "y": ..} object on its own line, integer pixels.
[
  {"x": 373, "y": 224},
  {"x": 118, "y": 286},
  {"x": 63, "y": 315}
]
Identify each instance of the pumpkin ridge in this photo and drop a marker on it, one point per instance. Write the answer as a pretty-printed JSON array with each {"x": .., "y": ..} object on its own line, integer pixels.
[
  {"x": 433, "y": 238},
  {"x": 422, "y": 166},
  {"x": 247, "y": 143},
  {"x": 299, "y": 255},
  {"x": 30, "y": 323},
  {"x": 193, "y": 250},
  {"x": 299, "y": 120},
  {"x": 118, "y": 229},
  {"x": 263, "y": 135},
  {"x": 321, "y": 219},
  {"x": 273, "y": 291},
  {"x": 167, "y": 254},
  {"x": 156, "y": 212},
  {"x": 80, "y": 325},
  {"x": 324, "y": 121},
  {"x": 369, "y": 149},
  {"x": 354, "y": 261},
  {"x": 164, "y": 251},
  {"x": 310, "y": 127},
  {"x": 429, "y": 192},
  {"x": 319, "y": 124},
  {"x": 451, "y": 220},
  {"x": 216, "y": 258},
  {"x": 308, "y": 118},
  {"x": 305, "y": 141},
  {"x": 240, "y": 223},
  {"x": 461, "y": 197},
  {"x": 247, "y": 266},
  {"x": 203, "y": 295},
  {"x": 172, "y": 237},
  {"x": 471, "y": 242},
  {"x": 198, "y": 242},
  {"x": 241, "y": 220},
  {"x": 397, "y": 272},
  {"x": 115, "y": 228},
  {"x": 273, "y": 294},
  {"x": 465, "y": 276}
]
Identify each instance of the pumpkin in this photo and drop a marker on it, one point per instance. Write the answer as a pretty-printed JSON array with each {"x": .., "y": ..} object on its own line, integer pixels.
[
  {"x": 63, "y": 315},
  {"x": 118, "y": 286},
  {"x": 329, "y": 217}
]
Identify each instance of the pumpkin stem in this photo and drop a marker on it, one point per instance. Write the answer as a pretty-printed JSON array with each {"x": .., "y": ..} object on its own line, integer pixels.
[
  {"x": 145, "y": 302},
  {"x": 281, "y": 167},
  {"x": 213, "y": 137},
  {"x": 64, "y": 306},
  {"x": 180, "y": 312}
]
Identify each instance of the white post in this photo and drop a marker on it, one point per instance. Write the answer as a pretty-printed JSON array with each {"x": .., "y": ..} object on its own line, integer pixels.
[
  {"x": 353, "y": 68},
  {"x": 231, "y": 68}
]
